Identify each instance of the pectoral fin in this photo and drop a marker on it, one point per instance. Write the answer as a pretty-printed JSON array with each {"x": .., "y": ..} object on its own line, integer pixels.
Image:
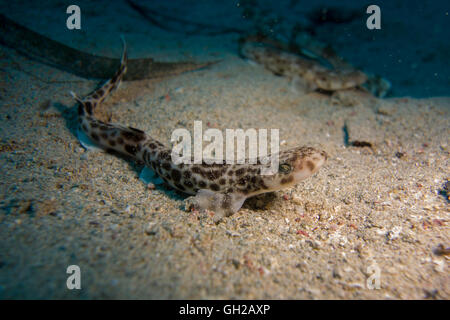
[{"x": 223, "y": 204}]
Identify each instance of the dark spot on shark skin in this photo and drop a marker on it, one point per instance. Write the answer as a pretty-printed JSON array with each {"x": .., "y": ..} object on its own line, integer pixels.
[
  {"x": 196, "y": 170},
  {"x": 95, "y": 137},
  {"x": 310, "y": 165},
  {"x": 187, "y": 174},
  {"x": 287, "y": 180},
  {"x": 361, "y": 144},
  {"x": 214, "y": 187},
  {"x": 130, "y": 149},
  {"x": 226, "y": 203},
  {"x": 114, "y": 79},
  {"x": 80, "y": 110},
  {"x": 136, "y": 130},
  {"x": 261, "y": 184},
  {"x": 166, "y": 166},
  {"x": 176, "y": 175},
  {"x": 188, "y": 184}
]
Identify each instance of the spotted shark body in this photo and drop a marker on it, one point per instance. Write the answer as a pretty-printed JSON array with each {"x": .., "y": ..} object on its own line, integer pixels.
[{"x": 221, "y": 188}]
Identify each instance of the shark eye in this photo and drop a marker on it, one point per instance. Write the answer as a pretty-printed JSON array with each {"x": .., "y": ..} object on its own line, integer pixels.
[{"x": 285, "y": 168}]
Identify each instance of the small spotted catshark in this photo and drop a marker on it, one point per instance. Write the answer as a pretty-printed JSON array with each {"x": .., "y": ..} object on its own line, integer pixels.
[{"x": 221, "y": 188}]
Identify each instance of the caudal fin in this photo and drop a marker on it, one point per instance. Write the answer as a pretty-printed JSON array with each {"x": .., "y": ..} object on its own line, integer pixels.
[{"x": 88, "y": 104}]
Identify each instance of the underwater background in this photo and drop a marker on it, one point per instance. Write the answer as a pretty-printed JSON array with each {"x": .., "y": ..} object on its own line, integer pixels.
[{"x": 376, "y": 100}]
